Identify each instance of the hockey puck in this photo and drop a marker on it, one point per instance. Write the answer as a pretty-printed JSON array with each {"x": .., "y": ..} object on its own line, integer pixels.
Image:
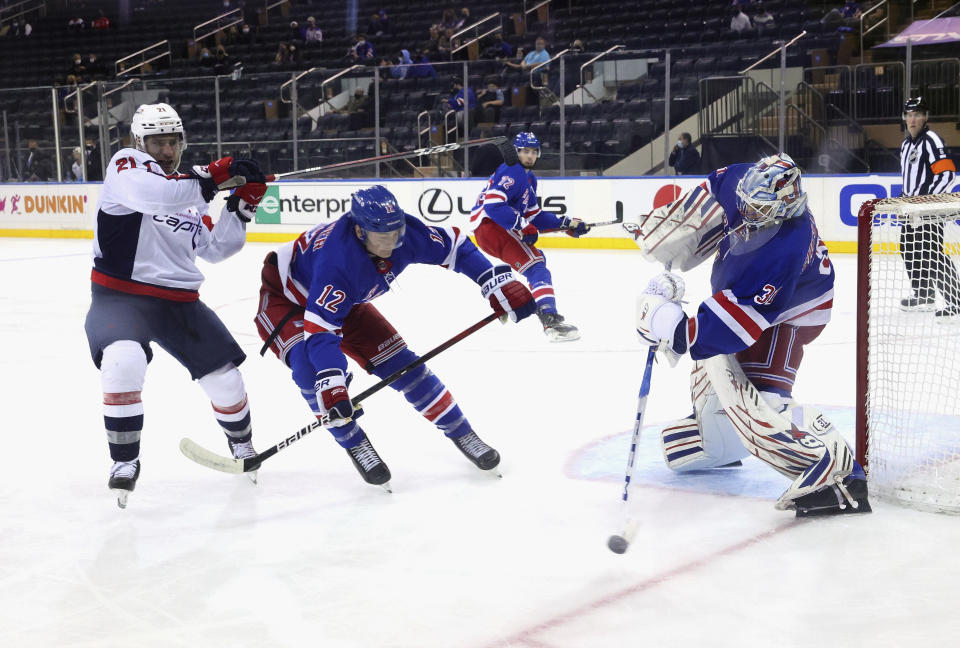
[{"x": 617, "y": 544}]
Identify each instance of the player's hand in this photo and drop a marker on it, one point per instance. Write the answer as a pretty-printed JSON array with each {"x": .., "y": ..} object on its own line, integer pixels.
[
  {"x": 529, "y": 234},
  {"x": 247, "y": 168},
  {"x": 211, "y": 176},
  {"x": 332, "y": 396},
  {"x": 508, "y": 297},
  {"x": 574, "y": 227},
  {"x": 243, "y": 202}
]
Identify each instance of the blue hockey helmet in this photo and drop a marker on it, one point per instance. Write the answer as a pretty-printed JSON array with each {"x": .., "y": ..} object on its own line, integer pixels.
[
  {"x": 526, "y": 139},
  {"x": 378, "y": 215},
  {"x": 770, "y": 191}
]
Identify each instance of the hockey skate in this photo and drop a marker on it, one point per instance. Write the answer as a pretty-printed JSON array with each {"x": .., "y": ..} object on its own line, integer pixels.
[
  {"x": 916, "y": 303},
  {"x": 369, "y": 464},
  {"x": 473, "y": 448},
  {"x": 123, "y": 479},
  {"x": 848, "y": 495},
  {"x": 555, "y": 328},
  {"x": 244, "y": 450}
]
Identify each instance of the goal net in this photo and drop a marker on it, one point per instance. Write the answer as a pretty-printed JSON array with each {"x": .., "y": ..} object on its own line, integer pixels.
[{"x": 908, "y": 349}]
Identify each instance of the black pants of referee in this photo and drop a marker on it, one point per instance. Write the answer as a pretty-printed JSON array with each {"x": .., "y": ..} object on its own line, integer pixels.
[{"x": 928, "y": 266}]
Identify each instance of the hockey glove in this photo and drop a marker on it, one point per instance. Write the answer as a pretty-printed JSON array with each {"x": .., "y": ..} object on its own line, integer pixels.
[
  {"x": 249, "y": 169},
  {"x": 212, "y": 176},
  {"x": 529, "y": 234},
  {"x": 332, "y": 396},
  {"x": 659, "y": 315},
  {"x": 574, "y": 227},
  {"x": 243, "y": 202},
  {"x": 508, "y": 297}
]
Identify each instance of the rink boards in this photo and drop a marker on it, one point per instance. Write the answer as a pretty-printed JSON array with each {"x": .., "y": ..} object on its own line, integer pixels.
[{"x": 67, "y": 210}]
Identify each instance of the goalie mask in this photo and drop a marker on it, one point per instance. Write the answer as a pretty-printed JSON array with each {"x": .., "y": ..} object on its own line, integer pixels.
[
  {"x": 158, "y": 119},
  {"x": 770, "y": 192}
]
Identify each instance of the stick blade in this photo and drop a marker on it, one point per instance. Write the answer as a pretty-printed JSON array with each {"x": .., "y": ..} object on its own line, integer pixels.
[
  {"x": 204, "y": 457},
  {"x": 619, "y": 218}
]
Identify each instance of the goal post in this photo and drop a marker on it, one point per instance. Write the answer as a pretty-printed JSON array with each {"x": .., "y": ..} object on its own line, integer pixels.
[{"x": 908, "y": 350}]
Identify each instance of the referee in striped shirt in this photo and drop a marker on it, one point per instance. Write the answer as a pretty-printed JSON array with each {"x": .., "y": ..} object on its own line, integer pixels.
[{"x": 926, "y": 169}]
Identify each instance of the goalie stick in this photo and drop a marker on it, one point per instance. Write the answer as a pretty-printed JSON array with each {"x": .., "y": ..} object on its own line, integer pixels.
[
  {"x": 197, "y": 453},
  {"x": 620, "y": 543}
]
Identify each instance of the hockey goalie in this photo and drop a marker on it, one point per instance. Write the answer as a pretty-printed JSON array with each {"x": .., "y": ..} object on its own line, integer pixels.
[{"x": 772, "y": 293}]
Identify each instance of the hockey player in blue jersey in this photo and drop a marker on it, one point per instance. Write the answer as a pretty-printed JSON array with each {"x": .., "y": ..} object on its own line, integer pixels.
[
  {"x": 506, "y": 221},
  {"x": 771, "y": 294},
  {"x": 315, "y": 311}
]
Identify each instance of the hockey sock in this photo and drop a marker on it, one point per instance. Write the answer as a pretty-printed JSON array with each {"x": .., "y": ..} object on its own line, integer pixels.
[
  {"x": 122, "y": 369},
  {"x": 427, "y": 394},
  {"x": 541, "y": 286},
  {"x": 224, "y": 387}
]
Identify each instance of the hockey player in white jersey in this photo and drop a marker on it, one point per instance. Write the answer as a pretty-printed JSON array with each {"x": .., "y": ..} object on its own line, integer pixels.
[
  {"x": 772, "y": 293},
  {"x": 151, "y": 225}
]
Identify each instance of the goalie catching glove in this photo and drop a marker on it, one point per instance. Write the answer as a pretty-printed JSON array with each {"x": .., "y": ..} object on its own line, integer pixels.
[
  {"x": 660, "y": 316},
  {"x": 508, "y": 297}
]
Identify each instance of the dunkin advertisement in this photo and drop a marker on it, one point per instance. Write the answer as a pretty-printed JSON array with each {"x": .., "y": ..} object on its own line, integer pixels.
[{"x": 290, "y": 207}]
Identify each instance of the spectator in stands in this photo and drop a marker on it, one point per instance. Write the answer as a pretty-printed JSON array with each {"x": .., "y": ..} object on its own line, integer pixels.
[
  {"x": 374, "y": 26},
  {"x": 206, "y": 58},
  {"x": 37, "y": 167},
  {"x": 429, "y": 46},
  {"x": 95, "y": 69},
  {"x": 248, "y": 35},
  {"x": 740, "y": 23},
  {"x": 456, "y": 101},
  {"x": 763, "y": 21},
  {"x": 491, "y": 101},
  {"x": 295, "y": 34},
  {"x": 538, "y": 55},
  {"x": 422, "y": 68},
  {"x": 684, "y": 157},
  {"x": 94, "y": 173},
  {"x": 283, "y": 55},
  {"x": 464, "y": 19},
  {"x": 77, "y": 69},
  {"x": 76, "y": 24},
  {"x": 359, "y": 102},
  {"x": 401, "y": 67},
  {"x": 500, "y": 49},
  {"x": 851, "y": 11},
  {"x": 222, "y": 64},
  {"x": 76, "y": 170},
  {"x": 363, "y": 49},
  {"x": 313, "y": 34},
  {"x": 576, "y": 47},
  {"x": 445, "y": 45},
  {"x": 449, "y": 19},
  {"x": 101, "y": 21}
]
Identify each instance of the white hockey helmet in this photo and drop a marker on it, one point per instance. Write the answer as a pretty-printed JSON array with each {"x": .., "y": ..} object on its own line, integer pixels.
[
  {"x": 156, "y": 119},
  {"x": 770, "y": 191}
]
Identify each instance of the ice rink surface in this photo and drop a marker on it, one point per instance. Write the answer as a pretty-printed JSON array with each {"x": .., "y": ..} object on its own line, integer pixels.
[{"x": 312, "y": 556}]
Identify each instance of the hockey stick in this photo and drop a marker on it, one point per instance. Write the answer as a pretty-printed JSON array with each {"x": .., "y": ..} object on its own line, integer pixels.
[
  {"x": 195, "y": 452},
  {"x": 615, "y": 221},
  {"x": 620, "y": 543},
  {"x": 430, "y": 150}
]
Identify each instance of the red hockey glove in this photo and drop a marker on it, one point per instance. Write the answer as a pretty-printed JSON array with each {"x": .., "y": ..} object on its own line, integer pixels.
[
  {"x": 212, "y": 176},
  {"x": 332, "y": 396},
  {"x": 529, "y": 234},
  {"x": 243, "y": 202},
  {"x": 508, "y": 297}
]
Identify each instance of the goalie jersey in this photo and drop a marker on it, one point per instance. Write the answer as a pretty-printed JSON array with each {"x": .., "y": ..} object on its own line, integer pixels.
[
  {"x": 150, "y": 228},
  {"x": 778, "y": 274},
  {"x": 327, "y": 270},
  {"x": 510, "y": 200}
]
